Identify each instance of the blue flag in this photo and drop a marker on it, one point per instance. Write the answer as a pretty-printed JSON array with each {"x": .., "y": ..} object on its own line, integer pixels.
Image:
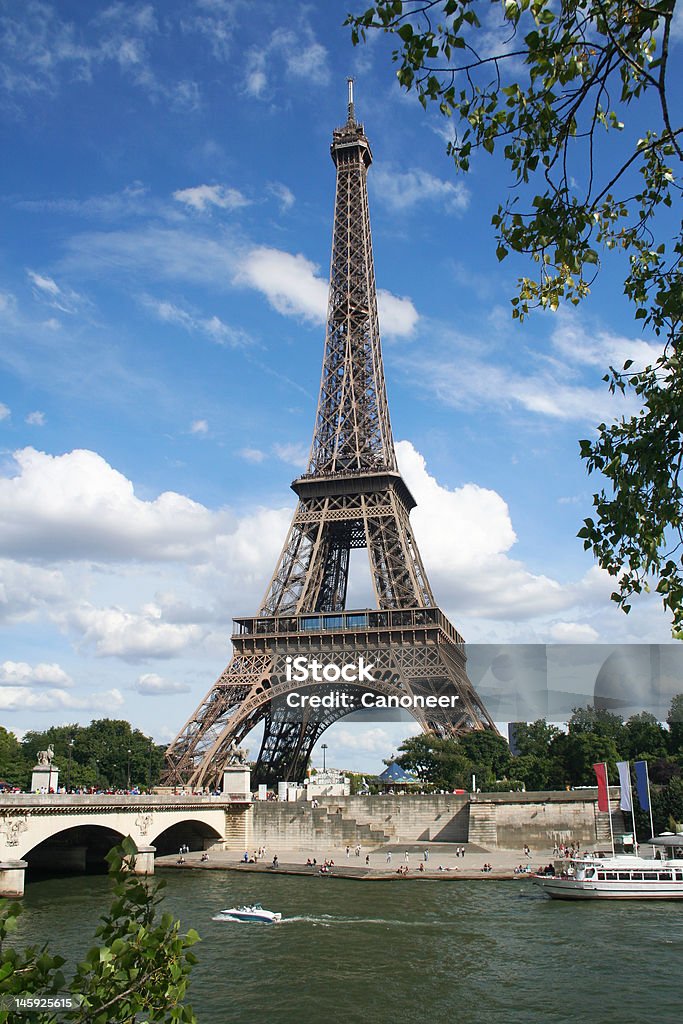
[{"x": 642, "y": 785}]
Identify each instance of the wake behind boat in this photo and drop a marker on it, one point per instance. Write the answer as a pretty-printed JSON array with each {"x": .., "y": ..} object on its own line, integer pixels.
[{"x": 253, "y": 912}]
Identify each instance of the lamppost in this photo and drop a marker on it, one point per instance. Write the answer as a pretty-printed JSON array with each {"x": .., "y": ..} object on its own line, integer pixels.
[
  {"x": 149, "y": 769},
  {"x": 323, "y": 747},
  {"x": 97, "y": 771},
  {"x": 128, "y": 773},
  {"x": 68, "y": 770}
]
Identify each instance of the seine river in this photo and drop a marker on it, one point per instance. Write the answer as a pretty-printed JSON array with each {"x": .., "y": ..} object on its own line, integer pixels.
[{"x": 399, "y": 951}]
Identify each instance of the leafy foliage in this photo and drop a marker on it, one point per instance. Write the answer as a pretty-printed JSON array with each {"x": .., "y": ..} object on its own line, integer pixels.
[
  {"x": 138, "y": 971},
  {"x": 573, "y": 97},
  {"x": 98, "y": 755}
]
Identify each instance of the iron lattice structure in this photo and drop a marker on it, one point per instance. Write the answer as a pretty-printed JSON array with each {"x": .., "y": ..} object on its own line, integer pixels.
[{"x": 351, "y": 496}]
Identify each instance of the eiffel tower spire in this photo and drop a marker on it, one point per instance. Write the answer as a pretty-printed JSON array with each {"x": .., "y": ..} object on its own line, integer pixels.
[
  {"x": 351, "y": 496},
  {"x": 352, "y": 488}
]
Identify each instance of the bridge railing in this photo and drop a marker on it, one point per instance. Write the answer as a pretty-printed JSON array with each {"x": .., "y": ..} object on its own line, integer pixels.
[{"x": 118, "y": 799}]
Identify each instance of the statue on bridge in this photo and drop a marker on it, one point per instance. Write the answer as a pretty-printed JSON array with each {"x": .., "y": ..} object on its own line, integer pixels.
[
  {"x": 45, "y": 757},
  {"x": 236, "y": 755}
]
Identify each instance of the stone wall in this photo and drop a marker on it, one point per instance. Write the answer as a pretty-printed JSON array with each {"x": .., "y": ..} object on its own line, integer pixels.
[
  {"x": 505, "y": 820},
  {"x": 539, "y": 819}
]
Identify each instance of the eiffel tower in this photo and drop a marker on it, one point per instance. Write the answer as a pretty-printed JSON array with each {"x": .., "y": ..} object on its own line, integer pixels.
[{"x": 351, "y": 496}]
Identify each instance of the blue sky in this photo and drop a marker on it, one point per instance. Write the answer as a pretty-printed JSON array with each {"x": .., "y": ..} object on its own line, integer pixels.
[{"x": 166, "y": 195}]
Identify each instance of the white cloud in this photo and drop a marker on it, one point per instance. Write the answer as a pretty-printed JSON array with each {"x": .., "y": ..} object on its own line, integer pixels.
[
  {"x": 47, "y": 289},
  {"x": 403, "y": 190},
  {"x": 573, "y": 633},
  {"x": 397, "y": 316},
  {"x": 292, "y": 286},
  {"x": 115, "y": 632},
  {"x": 557, "y": 385},
  {"x": 572, "y": 340},
  {"x": 76, "y": 506},
  {"x": 200, "y": 197},
  {"x": 36, "y": 418},
  {"x": 212, "y": 326},
  {"x": 149, "y": 684},
  {"x": 26, "y": 590},
  {"x": 199, "y": 427},
  {"x": 44, "y": 284},
  {"x": 293, "y": 453},
  {"x": 19, "y": 699},
  {"x": 290, "y": 283},
  {"x": 254, "y": 455},
  {"x": 464, "y": 536},
  {"x": 5, "y": 411},
  {"x": 298, "y": 52},
  {"x": 20, "y": 673},
  {"x": 284, "y": 195}
]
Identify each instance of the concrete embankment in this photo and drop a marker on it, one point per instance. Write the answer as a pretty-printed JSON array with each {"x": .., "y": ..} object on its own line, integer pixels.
[{"x": 489, "y": 820}]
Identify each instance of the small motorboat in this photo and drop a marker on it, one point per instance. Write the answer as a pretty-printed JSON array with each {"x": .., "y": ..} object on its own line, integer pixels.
[{"x": 253, "y": 912}]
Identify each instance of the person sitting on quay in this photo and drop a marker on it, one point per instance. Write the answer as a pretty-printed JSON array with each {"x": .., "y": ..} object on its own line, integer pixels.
[{"x": 204, "y": 857}]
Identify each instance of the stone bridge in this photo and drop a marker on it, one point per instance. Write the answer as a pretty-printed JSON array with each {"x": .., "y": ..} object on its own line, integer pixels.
[{"x": 73, "y": 832}]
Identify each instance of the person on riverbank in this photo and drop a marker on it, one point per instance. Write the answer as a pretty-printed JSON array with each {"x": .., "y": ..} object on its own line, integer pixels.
[{"x": 275, "y": 861}]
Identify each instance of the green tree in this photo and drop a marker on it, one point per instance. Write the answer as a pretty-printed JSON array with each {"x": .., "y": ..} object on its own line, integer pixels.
[
  {"x": 534, "y": 738},
  {"x": 489, "y": 755},
  {"x": 599, "y": 722},
  {"x": 675, "y": 722},
  {"x": 645, "y": 739},
  {"x": 575, "y": 753},
  {"x": 139, "y": 969},
  {"x": 436, "y": 761},
  {"x": 13, "y": 767},
  {"x": 98, "y": 754},
  {"x": 535, "y": 771},
  {"x": 575, "y": 102}
]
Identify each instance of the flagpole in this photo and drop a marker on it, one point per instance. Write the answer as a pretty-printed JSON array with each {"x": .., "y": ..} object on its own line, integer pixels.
[
  {"x": 649, "y": 800},
  {"x": 609, "y": 810},
  {"x": 633, "y": 811}
]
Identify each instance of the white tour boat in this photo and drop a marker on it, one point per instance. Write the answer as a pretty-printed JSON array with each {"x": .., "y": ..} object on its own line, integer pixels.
[
  {"x": 621, "y": 876},
  {"x": 254, "y": 912}
]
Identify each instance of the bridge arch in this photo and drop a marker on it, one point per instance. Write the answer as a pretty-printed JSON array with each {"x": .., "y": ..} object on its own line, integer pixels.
[
  {"x": 75, "y": 849},
  {"x": 191, "y": 832}
]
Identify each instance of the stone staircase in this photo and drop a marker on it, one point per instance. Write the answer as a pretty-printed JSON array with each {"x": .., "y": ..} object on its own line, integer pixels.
[
  {"x": 409, "y": 819},
  {"x": 602, "y": 825},
  {"x": 298, "y": 826},
  {"x": 483, "y": 830}
]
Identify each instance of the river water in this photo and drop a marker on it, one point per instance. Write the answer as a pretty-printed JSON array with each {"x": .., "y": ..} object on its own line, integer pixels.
[{"x": 389, "y": 952}]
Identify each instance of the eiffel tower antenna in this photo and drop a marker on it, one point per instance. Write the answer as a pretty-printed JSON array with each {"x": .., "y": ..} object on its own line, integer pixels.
[
  {"x": 351, "y": 119},
  {"x": 351, "y": 496}
]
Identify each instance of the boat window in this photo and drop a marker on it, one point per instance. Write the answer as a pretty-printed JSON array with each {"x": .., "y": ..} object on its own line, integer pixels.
[
  {"x": 679, "y": 876},
  {"x": 611, "y": 876},
  {"x": 590, "y": 872},
  {"x": 650, "y": 876},
  {"x": 664, "y": 876},
  {"x": 637, "y": 876},
  {"x": 601, "y": 876},
  {"x": 624, "y": 876}
]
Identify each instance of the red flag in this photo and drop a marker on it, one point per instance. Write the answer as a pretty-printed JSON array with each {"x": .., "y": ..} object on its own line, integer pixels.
[{"x": 603, "y": 792}]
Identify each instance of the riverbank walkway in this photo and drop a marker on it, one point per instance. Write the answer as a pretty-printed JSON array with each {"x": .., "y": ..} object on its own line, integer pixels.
[{"x": 441, "y": 864}]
